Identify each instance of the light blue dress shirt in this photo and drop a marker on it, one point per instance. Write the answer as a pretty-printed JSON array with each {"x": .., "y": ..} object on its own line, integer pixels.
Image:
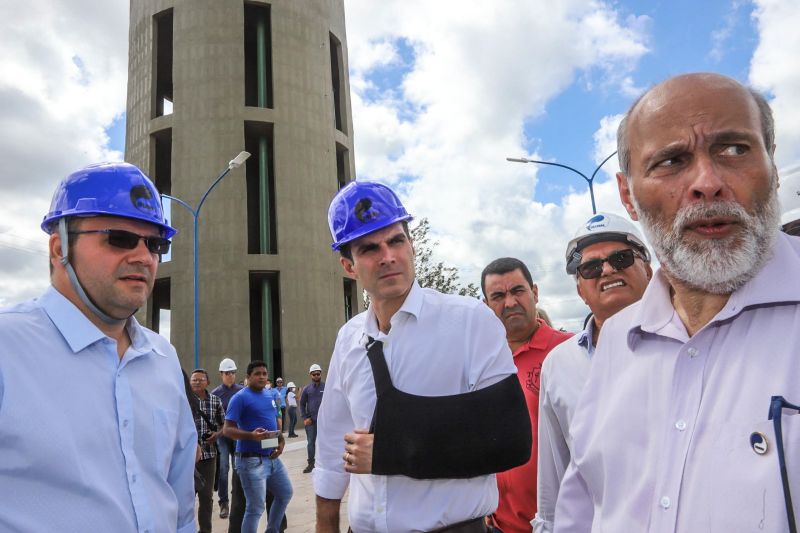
[{"x": 89, "y": 442}]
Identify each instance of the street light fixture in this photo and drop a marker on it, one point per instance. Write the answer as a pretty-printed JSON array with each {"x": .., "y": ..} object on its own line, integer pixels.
[
  {"x": 234, "y": 163},
  {"x": 590, "y": 181}
]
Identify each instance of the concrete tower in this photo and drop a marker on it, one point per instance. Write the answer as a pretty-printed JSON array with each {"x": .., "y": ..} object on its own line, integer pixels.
[{"x": 206, "y": 80}]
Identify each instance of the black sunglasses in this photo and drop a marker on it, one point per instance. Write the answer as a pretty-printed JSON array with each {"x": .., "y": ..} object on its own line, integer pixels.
[
  {"x": 119, "y": 238},
  {"x": 618, "y": 260}
]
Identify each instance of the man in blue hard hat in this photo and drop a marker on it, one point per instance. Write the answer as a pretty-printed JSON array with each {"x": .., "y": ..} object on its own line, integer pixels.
[
  {"x": 395, "y": 410},
  {"x": 111, "y": 442}
]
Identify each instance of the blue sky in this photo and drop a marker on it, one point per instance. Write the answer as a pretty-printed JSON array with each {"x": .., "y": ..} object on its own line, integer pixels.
[{"x": 441, "y": 93}]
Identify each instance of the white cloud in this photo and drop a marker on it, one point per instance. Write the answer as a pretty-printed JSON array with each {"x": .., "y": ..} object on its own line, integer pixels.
[
  {"x": 481, "y": 70},
  {"x": 773, "y": 70},
  {"x": 64, "y": 78}
]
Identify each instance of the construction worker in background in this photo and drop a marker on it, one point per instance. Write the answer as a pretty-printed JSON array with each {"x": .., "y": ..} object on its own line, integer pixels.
[
  {"x": 310, "y": 400},
  {"x": 611, "y": 266},
  {"x": 107, "y": 440},
  {"x": 226, "y": 446},
  {"x": 422, "y": 399}
]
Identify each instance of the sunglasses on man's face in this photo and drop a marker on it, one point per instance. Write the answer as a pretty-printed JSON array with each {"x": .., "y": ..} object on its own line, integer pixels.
[
  {"x": 119, "y": 238},
  {"x": 619, "y": 260}
]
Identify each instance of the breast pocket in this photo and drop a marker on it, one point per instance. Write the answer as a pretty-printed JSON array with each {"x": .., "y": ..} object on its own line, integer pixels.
[
  {"x": 165, "y": 424},
  {"x": 747, "y": 491}
]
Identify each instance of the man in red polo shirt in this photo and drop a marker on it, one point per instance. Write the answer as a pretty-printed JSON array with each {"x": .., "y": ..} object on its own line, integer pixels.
[{"x": 508, "y": 289}]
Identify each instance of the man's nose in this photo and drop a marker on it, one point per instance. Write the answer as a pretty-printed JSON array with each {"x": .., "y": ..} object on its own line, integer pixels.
[{"x": 707, "y": 179}]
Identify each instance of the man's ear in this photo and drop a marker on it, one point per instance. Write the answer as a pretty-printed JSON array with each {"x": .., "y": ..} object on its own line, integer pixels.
[
  {"x": 535, "y": 290},
  {"x": 626, "y": 195},
  {"x": 348, "y": 267},
  {"x": 54, "y": 247}
]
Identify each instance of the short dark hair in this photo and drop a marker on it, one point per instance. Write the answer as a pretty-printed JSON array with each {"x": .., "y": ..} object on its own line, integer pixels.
[
  {"x": 201, "y": 371},
  {"x": 255, "y": 364},
  {"x": 346, "y": 252},
  {"x": 505, "y": 265}
]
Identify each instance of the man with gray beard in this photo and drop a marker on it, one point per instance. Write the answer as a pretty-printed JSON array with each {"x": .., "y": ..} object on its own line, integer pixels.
[{"x": 685, "y": 423}]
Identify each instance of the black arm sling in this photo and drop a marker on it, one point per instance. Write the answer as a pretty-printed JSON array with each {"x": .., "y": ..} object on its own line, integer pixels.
[{"x": 447, "y": 437}]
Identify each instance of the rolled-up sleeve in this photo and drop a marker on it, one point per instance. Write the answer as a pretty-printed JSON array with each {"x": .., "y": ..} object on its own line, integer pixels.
[{"x": 333, "y": 421}]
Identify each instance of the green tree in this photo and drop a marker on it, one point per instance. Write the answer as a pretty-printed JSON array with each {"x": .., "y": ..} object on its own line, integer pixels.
[{"x": 432, "y": 274}]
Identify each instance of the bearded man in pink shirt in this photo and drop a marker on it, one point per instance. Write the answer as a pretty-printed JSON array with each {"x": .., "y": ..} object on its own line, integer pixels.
[{"x": 686, "y": 422}]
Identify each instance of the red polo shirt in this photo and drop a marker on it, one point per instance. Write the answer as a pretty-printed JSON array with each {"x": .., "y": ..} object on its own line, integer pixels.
[{"x": 517, "y": 487}]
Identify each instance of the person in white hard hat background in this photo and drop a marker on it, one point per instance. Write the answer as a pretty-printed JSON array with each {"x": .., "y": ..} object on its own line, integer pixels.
[
  {"x": 291, "y": 406},
  {"x": 309, "y": 408},
  {"x": 611, "y": 265},
  {"x": 226, "y": 446}
]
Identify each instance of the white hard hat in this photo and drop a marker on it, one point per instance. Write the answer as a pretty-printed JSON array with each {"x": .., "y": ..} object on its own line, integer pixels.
[
  {"x": 602, "y": 227},
  {"x": 315, "y": 368},
  {"x": 291, "y": 385},
  {"x": 278, "y": 379},
  {"x": 227, "y": 365},
  {"x": 790, "y": 204}
]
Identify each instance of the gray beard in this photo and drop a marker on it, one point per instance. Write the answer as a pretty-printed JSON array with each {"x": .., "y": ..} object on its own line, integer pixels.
[{"x": 716, "y": 266}]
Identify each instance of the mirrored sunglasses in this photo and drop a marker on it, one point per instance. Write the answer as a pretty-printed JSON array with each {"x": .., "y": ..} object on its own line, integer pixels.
[
  {"x": 119, "y": 238},
  {"x": 618, "y": 260}
]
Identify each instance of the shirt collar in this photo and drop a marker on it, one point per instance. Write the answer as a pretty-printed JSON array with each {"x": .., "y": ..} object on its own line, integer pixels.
[
  {"x": 775, "y": 283},
  {"x": 539, "y": 340},
  {"x": 412, "y": 305},
  {"x": 585, "y": 337},
  {"x": 80, "y": 332}
]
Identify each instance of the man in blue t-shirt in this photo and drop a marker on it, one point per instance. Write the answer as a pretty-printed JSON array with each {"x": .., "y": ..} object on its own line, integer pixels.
[{"x": 250, "y": 419}]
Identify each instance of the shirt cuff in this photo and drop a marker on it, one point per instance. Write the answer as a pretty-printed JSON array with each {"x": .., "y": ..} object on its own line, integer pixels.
[
  {"x": 541, "y": 525},
  {"x": 330, "y": 485}
]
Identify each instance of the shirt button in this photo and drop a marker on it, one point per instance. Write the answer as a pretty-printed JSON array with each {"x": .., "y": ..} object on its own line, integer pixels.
[
  {"x": 133, "y": 478},
  {"x": 692, "y": 352},
  {"x": 665, "y": 502},
  {"x": 680, "y": 425}
]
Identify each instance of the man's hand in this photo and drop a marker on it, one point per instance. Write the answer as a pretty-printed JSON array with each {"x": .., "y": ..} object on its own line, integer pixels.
[
  {"x": 328, "y": 515},
  {"x": 213, "y": 437},
  {"x": 358, "y": 451},
  {"x": 307, "y": 422},
  {"x": 279, "y": 450},
  {"x": 259, "y": 434}
]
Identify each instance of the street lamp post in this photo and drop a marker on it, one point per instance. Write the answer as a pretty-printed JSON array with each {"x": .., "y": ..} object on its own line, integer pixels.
[
  {"x": 590, "y": 181},
  {"x": 234, "y": 163}
]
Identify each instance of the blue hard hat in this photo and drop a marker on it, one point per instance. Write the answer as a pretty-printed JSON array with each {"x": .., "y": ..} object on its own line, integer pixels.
[
  {"x": 362, "y": 207},
  {"x": 107, "y": 189}
]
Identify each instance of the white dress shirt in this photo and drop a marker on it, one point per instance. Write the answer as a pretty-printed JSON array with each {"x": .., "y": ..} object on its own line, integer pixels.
[
  {"x": 564, "y": 374},
  {"x": 661, "y": 435},
  {"x": 438, "y": 345}
]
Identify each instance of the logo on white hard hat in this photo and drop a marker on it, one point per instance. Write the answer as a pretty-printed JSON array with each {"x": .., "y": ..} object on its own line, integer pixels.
[{"x": 597, "y": 222}]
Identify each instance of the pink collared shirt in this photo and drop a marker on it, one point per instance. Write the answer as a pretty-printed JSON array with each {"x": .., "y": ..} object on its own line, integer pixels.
[{"x": 661, "y": 435}]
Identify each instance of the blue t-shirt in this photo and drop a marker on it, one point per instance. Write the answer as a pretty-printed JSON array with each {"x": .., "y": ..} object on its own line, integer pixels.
[{"x": 251, "y": 410}]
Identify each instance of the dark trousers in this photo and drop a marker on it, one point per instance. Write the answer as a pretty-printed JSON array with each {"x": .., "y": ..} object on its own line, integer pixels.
[
  {"x": 292, "y": 420},
  {"x": 311, "y": 441},
  {"x": 205, "y": 495},
  {"x": 238, "y": 503}
]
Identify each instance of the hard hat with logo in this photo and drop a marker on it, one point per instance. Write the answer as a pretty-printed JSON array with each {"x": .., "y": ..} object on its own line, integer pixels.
[
  {"x": 227, "y": 365},
  {"x": 790, "y": 204},
  {"x": 360, "y": 208},
  {"x": 315, "y": 368},
  {"x": 107, "y": 189},
  {"x": 291, "y": 385},
  {"x": 603, "y": 227}
]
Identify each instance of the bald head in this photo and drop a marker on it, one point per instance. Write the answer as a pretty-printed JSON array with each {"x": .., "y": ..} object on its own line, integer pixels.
[{"x": 686, "y": 86}]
